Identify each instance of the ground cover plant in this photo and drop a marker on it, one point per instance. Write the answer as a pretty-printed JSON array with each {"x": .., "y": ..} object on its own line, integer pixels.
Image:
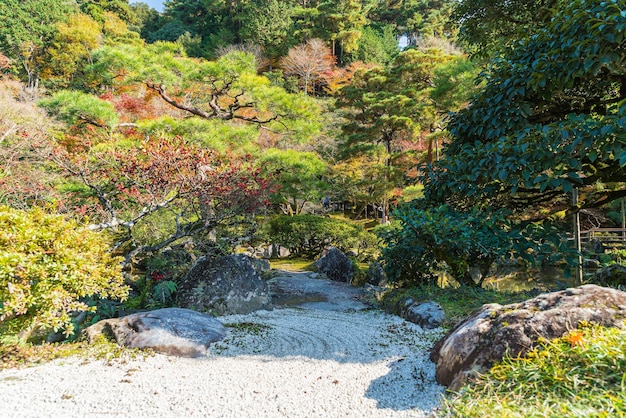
[
  {"x": 13, "y": 354},
  {"x": 582, "y": 374}
]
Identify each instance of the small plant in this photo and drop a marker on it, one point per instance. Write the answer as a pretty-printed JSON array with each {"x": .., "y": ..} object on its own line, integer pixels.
[
  {"x": 252, "y": 328},
  {"x": 163, "y": 292}
]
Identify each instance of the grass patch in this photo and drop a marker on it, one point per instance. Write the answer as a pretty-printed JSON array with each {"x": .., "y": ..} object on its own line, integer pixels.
[
  {"x": 458, "y": 303},
  {"x": 582, "y": 374},
  {"x": 292, "y": 264},
  {"x": 16, "y": 355}
]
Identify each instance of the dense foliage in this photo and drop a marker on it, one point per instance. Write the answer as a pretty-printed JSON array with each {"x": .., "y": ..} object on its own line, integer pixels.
[
  {"x": 429, "y": 242},
  {"x": 47, "y": 266},
  {"x": 549, "y": 120},
  {"x": 308, "y": 235}
]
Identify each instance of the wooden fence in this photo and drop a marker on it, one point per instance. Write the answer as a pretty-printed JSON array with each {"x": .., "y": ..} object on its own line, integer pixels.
[{"x": 607, "y": 236}]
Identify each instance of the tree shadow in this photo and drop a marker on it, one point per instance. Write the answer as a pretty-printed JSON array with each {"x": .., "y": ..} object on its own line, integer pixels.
[{"x": 409, "y": 385}]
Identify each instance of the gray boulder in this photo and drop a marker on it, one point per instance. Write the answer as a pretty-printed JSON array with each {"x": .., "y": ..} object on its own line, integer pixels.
[
  {"x": 225, "y": 285},
  {"x": 173, "y": 331},
  {"x": 484, "y": 338},
  {"x": 335, "y": 265},
  {"x": 376, "y": 275},
  {"x": 428, "y": 315},
  {"x": 273, "y": 251}
]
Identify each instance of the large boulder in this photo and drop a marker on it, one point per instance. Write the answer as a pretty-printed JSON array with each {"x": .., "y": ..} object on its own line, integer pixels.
[
  {"x": 335, "y": 265},
  {"x": 225, "y": 285},
  {"x": 173, "y": 331},
  {"x": 484, "y": 338}
]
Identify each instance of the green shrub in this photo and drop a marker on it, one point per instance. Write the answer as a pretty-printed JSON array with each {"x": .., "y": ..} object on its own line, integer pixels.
[
  {"x": 424, "y": 242},
  {"x": 47, "y": 264},
  {"x": 582, "y": 374},
  {"x": 308, "y": 235}
]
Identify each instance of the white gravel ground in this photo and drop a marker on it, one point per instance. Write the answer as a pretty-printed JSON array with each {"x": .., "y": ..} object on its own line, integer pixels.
[{"x": 281, "y": 363}]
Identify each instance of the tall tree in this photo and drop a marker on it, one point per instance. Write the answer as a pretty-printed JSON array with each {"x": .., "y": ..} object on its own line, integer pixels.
[
  {"x": 28, "y": 27},
  {"x": 489, "y": 25},
  {"x": 270, "y": 25},
  {"x": 549, "y": 120},
  {"x": 97, "y": 9},
  {"x": 70, "y": 50},
  {"x": 343, "y": 20},
  {"x": 417, "y": 19}
]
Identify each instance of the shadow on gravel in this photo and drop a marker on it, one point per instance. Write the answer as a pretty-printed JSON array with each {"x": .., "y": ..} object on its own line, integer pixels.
[{"x": 409, "y": 385}]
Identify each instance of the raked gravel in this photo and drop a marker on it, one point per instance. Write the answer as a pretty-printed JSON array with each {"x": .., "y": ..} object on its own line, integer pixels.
[{"x": 281, "y": 363}]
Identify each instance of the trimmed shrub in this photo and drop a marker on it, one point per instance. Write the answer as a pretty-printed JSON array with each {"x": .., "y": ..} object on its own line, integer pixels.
[
  {"x": 47, "y": 264},
  {"x": 309, "y": 235}
]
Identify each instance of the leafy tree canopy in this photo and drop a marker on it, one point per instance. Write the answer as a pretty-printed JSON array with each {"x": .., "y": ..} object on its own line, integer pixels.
[
  {"x": 300, "y": 176},
  {"x": 489, "y": 25},
  {"x": 226, "y": 89},
  {"x": 27, "y": 28},
  {"x": 550, "y": 119}
]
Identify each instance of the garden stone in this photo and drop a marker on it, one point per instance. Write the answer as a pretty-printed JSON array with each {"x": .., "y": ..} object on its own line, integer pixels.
[
  {"x": 335, "y": 265},
  {"x": 590, "y": 263},
  {"x": 376, "y": 275},
  {"x": 597, "y": 246},
  {"x": 225, "y": 285},
  {"x": 273, "y": 251},
  {"x": 428, "y": 315},
  {"x": 494, "y": 331},
  {"x": 173, "y": 331}
]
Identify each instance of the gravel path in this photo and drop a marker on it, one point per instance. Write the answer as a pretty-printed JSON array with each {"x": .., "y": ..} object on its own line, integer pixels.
[{"x": 282, "y": 363}]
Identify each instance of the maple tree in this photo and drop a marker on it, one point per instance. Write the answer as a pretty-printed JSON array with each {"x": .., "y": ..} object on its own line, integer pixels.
[{"x": 184, "y": 189}]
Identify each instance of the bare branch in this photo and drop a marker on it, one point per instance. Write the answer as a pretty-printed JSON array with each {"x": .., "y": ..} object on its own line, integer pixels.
[
  {"x": 145, "y": 211},
  {"x": 217, "y": 111},
  {"x": 9, "y": 131}
]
